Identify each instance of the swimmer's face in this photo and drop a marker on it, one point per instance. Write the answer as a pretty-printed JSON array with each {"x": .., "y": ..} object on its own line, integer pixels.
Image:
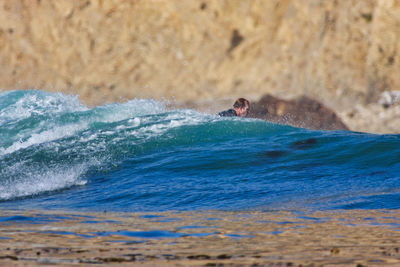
[{"x": 242, "y": 111}]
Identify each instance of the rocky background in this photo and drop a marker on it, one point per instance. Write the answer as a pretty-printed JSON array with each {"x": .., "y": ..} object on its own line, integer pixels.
[{"x": 204, "y": 54}]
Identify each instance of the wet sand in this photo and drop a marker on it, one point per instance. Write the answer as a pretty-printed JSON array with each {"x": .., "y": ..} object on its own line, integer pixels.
[{"x": 206, "y": 238}]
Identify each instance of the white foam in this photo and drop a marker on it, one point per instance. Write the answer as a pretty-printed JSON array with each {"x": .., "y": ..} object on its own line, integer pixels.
[
  {"x": 134, "y": 122},
  {"x": 37, "y": 181},
  {"x": 45, "y": 136},
  {"x": 89, "y": 138},
  {"x": 131, "y": 109},
  {"x": 39, "y": 103},
  {"x": 172, "y": 120}
]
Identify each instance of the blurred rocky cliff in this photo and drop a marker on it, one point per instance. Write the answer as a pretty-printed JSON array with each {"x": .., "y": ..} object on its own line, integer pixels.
[{"x": 344, "y": 53}]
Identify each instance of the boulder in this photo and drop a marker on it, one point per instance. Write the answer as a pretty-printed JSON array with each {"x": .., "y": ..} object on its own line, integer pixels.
[{"x": 302, "y": 112}]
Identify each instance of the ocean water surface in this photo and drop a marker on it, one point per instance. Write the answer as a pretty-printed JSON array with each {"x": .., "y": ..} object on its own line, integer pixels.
[{"x": 56, "y": 153}]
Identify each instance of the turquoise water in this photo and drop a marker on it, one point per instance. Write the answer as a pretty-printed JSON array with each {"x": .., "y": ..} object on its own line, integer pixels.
[{"x": 56, "y": 153}]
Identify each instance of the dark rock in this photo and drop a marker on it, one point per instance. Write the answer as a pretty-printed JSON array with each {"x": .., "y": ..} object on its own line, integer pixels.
[
  {"x": 10, "y": 257},
  {"x": 199, "y": 257},
  {"x": 113, "y": 259},
  {"x": 302, "y": 112},
  {"x": 236, "y": 39},
  {"x": 223, "y": 257},
  {"x": 335, "y": 251}
]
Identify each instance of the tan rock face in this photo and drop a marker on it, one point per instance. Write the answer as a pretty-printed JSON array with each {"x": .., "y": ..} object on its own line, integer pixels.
[{"x": 335, "y": 51}]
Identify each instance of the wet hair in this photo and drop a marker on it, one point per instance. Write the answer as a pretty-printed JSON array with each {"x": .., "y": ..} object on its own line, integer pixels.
[{"x": 241, "y": 103}]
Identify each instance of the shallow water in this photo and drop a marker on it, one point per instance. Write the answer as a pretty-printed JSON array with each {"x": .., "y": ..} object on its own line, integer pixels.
[
  {"x": 56, "y": 153},
  {"x": 201, "y": 238}
]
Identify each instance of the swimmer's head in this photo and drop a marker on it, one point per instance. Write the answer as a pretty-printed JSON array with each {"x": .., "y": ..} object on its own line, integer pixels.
[{"x": 241, "y": 106}]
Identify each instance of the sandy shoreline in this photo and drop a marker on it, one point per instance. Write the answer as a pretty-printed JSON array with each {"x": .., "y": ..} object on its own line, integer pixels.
[{"x": 339, "y": 238}]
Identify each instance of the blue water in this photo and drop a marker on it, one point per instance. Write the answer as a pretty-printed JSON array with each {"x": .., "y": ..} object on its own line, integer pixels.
[{"x": 56, "y": 153}]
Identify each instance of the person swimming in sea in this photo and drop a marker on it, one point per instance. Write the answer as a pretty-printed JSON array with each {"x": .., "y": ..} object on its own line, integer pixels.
[{"x": 240, "y": 109}]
